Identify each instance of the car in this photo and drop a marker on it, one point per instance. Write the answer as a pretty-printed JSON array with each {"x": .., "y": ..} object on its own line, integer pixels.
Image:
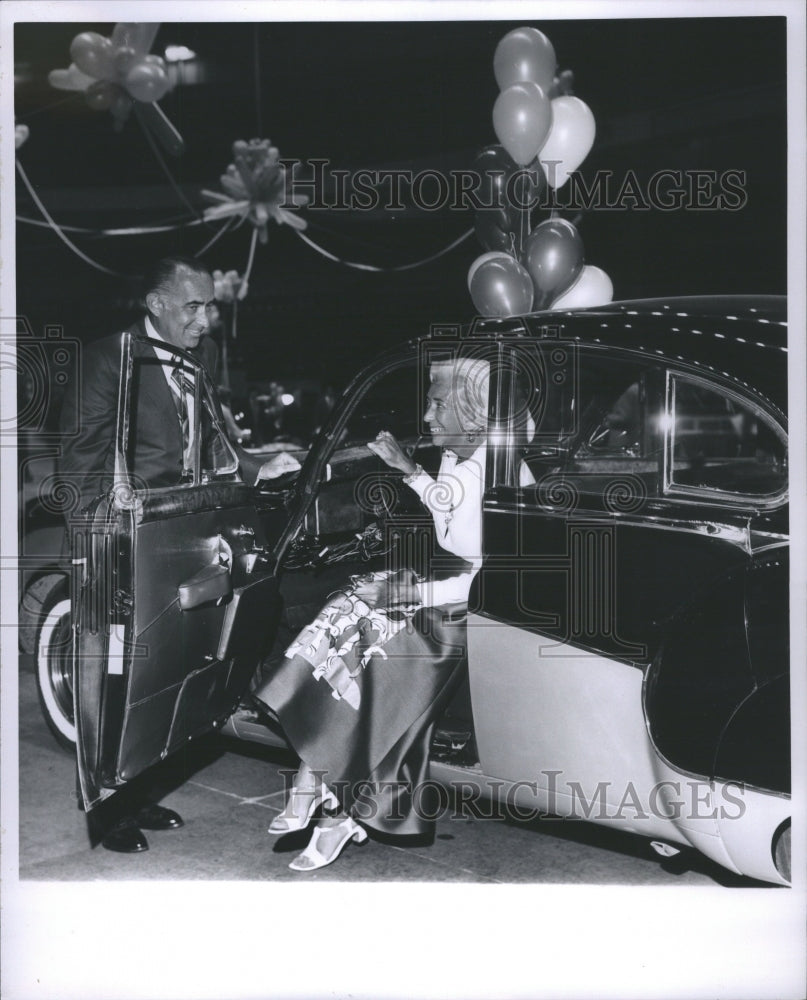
[{"x": 628, "y": 658}]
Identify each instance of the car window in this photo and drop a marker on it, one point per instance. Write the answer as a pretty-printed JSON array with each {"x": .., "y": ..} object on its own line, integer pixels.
[
  {"x": 594, "y": 418},
  {"x": 218, "y": 456},
  {"x": 722, "y": 444},
  {"x": 393, "y": 403}
]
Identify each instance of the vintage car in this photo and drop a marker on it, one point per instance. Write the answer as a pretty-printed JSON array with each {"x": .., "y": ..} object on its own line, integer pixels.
[{"x": 628, "y": 655}]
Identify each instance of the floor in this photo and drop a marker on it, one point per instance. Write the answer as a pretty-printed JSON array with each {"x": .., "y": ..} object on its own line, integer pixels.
[{"x": 227, "y": 791}]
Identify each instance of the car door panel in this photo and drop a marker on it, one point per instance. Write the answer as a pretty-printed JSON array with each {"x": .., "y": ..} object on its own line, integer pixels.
[
  {"x": 153, "y": 675},
  {"x": 593, "y": 578}
]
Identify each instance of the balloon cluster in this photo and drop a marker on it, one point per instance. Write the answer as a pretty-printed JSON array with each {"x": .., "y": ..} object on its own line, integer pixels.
[
  {"x": 545, "y": 133},
  {"x": 117, "y": 73},
  {"x": 255, "y": 186},
  {"x": 229, "y": 286},
  {"x": 535, "y": 112},
  {"x": 114, "y": 72}
]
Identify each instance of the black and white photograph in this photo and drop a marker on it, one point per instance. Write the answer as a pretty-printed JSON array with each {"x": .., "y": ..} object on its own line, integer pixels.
[{"x": 402, "y": 410}]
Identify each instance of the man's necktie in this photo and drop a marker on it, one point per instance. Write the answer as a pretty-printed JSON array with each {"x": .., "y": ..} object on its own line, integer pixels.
[{"x": 184, "y": 388}]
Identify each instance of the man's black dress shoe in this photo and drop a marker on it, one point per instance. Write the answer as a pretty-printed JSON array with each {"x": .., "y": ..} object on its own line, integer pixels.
[
  {"x": 154, "y": 817},
  {"x": 126, "y": 837}
]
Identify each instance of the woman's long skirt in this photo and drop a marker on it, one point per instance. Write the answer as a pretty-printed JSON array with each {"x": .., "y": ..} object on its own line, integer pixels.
[{"x": 358, "y": 695}]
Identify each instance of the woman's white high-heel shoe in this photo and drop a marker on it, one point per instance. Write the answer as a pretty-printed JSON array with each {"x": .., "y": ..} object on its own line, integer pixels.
[
  {"x": 292, "y": 818},
  {"x": 312, "y": 858}
]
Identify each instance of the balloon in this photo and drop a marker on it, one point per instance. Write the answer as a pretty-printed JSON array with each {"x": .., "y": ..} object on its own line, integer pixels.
[
  {"x": 505, "y": 190},
  {"x": 99, "y": 95},
  {"x": 553, "y": 256},
  {"x": 147, "y": 82},
  {"x": 124, "y": 59},
  {"x": 495, "y": 255},
  {"x": 501, "y": 288},
  {"x": 562, "y": 84},
  {"x": 92, "y": 53},
  {"x": 524, "y": 54},
  {"x": 120, "y": 106},
  {"x": 592, "y": 288},
  {"x": 495, "y": 166},
  {"x": 569, "y": 141},
  {"x": 522, "y": 117},
  {"x": 69, "y": 79},
  {"x": 493, "y": 231}
]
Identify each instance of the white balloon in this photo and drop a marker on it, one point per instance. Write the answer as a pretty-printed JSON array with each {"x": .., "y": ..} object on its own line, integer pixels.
[
  {"x": 69, "y": 79},
  {"x": 569, "y": 140},
  {"x": 592, "y": 288},
  {"x": 491, "y": 255}
]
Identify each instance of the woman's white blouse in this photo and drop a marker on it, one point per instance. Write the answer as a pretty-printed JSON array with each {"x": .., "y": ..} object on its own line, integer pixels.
[{"x": 454, "y": 500}]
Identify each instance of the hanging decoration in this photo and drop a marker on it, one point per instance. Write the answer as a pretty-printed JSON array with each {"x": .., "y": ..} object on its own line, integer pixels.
[
  {"x": 118, "y": 74},
  {"x": 229, "y": 289},
  {"x": 255, "y": 186},
  {"x": 545, "y": 132}
]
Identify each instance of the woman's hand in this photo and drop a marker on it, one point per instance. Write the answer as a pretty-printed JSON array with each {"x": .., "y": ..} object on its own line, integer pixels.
[
  {"x": 389, "y": 451},
  {"x": 400, "y": 588}
]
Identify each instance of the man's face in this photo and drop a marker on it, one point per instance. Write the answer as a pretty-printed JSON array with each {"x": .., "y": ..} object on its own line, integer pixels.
[{"x": 181, "y": 310}]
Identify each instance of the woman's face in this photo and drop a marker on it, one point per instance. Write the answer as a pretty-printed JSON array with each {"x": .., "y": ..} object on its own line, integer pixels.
[{"x": 447, "y": 423}]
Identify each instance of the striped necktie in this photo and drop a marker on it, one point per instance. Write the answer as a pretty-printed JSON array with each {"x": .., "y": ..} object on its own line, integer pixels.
[{"x": 183, "y": 387}]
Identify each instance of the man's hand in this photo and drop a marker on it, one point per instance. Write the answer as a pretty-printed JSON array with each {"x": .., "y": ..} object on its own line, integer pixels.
[
  {"x": 389, "y": 451},
  {"x": 278, "y": 465}
]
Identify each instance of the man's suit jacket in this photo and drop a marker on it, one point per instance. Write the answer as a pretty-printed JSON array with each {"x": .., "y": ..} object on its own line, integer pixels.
[{"x": 155, "y": 455}]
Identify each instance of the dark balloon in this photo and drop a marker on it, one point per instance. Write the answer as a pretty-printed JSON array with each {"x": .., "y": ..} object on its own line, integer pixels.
[
  {"x": 490, "y": 233},
  {"x": 553, "y": 256},
  {"x": 563, "y": 84},
  {"x": 501, "y": 287},
  {"x": 507, "y": 192}
]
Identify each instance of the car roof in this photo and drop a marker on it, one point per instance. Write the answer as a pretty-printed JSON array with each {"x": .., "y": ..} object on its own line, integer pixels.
[{"x": 742, "y": 338}]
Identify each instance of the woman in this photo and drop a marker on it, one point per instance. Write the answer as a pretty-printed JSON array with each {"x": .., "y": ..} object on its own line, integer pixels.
[{"x": 387, "y": 651}]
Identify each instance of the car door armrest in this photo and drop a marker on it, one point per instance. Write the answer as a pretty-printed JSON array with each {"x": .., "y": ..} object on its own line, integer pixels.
[{"x": 210, "y": 584}]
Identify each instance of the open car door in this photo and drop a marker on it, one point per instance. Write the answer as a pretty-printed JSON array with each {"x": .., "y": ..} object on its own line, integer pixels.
[{"x": 173, "y": 597}]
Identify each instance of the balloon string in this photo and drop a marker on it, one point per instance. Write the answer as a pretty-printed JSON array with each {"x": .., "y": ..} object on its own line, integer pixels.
[
  {"x": 166, "y": 169},
  {"x": 130, "y": 231},
  {"x": 46, "y": 107},
  {"x": 248, "y": 269},
  {"x": 256, "y": 59},
  {"x": 372, "y": 267},
  {"x": 54, "y": 226}
]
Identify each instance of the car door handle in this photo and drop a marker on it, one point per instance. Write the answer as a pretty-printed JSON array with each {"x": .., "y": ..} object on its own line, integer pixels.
[{"x": 210, "y": 584}]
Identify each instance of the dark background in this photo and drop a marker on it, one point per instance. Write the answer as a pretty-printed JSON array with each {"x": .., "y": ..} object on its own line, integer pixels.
[{"x": 666, "y": 94}]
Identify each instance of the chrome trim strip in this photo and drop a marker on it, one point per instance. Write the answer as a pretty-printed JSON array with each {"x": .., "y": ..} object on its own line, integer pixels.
[{"x": 739, "y": 536}]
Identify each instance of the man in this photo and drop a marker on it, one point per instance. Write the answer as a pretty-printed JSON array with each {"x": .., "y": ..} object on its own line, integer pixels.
[{"x": 178, "y": 298}]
